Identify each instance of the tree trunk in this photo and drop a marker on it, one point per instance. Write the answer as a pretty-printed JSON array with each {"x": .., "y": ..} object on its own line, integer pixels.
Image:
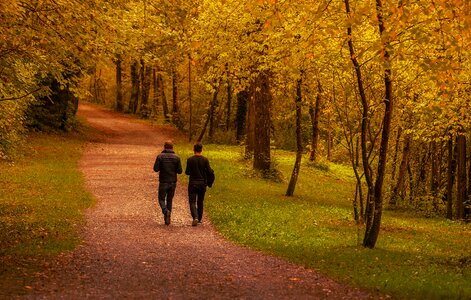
[
  {"x": 165, "y": 111},
  {"x": 360, "y": 187},
  {"x": 142, "y": 75},
  {"x": 421, "y": 176},
  {"x": 250, "y": 137},
  {"x": 241, "y": 115},
  {"x": 370, "y": 204},
  {"x": 434, "y": 172},
  {"x": 299, "y": 145},
  {"x": 329, "y": 138},
  {"x": 356, "y": 214},
  {"x": 398, "y": 190},
  {"x": 219, "y": 115},
  {"x": 229, "y": 102},
  {"x": 262, "y": 103},
  {"x": 190, "y": 101},
  {"x": 461, "y": 176},
  {"x": 156, "y": 94},
  {"x": 175, "y": 111},
  {"x": 314, "y": 112},
  {"x": 134, "y": 88},
  {"x": 372, "y": 229},
  {"x": 467, "y": 208},
  {"x": 145, "y": 78},
  {"x": 119, "y": 85},
  {"x": 451, "y": 162},
  {"x": 209, "y": 115},
  {"x": 396, "y": 151}
]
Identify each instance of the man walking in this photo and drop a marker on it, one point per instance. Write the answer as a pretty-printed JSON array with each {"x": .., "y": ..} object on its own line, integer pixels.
[
  {"x": 197, "y": 167},
  {"x": 168, "y": 165}
]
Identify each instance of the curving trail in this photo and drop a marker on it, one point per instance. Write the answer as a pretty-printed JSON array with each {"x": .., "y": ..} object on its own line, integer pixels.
[{"x": 128, "y": 253}]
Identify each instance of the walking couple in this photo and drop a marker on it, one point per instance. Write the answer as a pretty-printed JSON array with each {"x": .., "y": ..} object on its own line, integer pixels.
[{"x": 168, "y": 165}]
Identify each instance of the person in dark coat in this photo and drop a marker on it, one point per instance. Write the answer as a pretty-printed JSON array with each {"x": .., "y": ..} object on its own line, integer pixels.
[
  {"x": 168, "y": 165},
  {"x": 197, "y": 167}
]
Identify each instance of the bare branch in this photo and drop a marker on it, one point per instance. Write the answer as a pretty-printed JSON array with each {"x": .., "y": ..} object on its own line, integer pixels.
[{"x": 20, "y": 97}]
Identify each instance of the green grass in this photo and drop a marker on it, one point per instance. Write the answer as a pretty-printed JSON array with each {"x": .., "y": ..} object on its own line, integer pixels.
[
  {"x": 415, "y": 257},
  {"x": 42, "y": 197}
]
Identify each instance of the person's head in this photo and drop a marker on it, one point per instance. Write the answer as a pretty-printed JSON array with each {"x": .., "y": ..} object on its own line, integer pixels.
[
  {"x": 198, "y": 148},
  {"x": 168, "y": 145}
]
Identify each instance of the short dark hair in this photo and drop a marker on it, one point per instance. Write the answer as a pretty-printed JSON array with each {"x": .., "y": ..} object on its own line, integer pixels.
[
  {"x": 198, "y": 147},
  {"x": 168, "y": 145}
]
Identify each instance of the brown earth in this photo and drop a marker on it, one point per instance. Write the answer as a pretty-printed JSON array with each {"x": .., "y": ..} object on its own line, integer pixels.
[{"x": 128, "y": 252}]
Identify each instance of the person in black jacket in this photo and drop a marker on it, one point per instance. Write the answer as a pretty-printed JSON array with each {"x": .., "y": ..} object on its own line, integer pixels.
[
  {"x": 168, "y": 165},
  {"x": 197, "y": 167}
]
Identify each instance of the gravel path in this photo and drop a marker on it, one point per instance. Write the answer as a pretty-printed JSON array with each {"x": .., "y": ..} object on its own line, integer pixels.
[{"x": 128, "y": 253}]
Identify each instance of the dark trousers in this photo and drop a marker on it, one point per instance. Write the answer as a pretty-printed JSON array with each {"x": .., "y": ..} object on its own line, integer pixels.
[
  {"x": 166, "y": 193},
  {"x": 196, "y": 197}
]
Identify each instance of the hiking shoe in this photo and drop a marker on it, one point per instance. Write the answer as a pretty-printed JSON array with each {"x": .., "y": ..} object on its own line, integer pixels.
[
  {"x": 195, "y": 222},
  {"x": 167, "y": 217}
]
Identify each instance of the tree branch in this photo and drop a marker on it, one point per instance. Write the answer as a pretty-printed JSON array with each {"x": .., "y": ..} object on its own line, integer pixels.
[{"x": 17, "y": 98}]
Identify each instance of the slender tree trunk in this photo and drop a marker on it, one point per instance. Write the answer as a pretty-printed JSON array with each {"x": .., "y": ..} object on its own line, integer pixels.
[
  {"x": 95, "y": 88},
  {"x": 370, "y": 204},
  {"x": 434, "y": 172},
  {"x": 396, "y": 151},
  {"x": 119, "y": 85},
  {"x": 134, "y": 88},
  {"x": 467, "y": 208},
  {"x": 219, "y": 115},
  {"x": 97, "y": 91},
  {"x": 262, "y": 103},
  {"x": 209, "y": 115},
  {"x": 329, "y": 138},
  {"x": 163, "y": 97},
  {"x": 451, "y": 162},
  {"x": 314, "y": 112},
  {"x": 250, "y": 137},
  {"x": 360, "y": 188},
  {"x": 175, "y": 109},
  {"x": 142, "y": 75},
  {"x": 356, "y": 214},
  {"x": 421, "y": 176},
  {"x": 299, "y": 145},
  {"x": 372, "y": 229},
  {"x": 398, "y": 190},
  {"x": 229, "y": 101},
  {"x": 461, "y": 176},
  {"x": 411, "y": 182},
  {"x": 241, "y": 115},
  {"x": 145, "y": 78},
  {"x": 190, "y": 100},
  {"x": 156, "y": 94}
]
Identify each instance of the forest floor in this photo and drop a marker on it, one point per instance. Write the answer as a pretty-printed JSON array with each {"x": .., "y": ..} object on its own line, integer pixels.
[{"x": 128, "y": 252}]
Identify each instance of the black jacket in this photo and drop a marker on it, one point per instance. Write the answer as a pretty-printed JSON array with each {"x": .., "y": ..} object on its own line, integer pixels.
[
  {"x": 169, "y": 165},
  {"x": 196, "y": 167}
]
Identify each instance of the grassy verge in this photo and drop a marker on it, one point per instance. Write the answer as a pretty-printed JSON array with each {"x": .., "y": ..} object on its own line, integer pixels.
[
  {"x": 415, "y": 258},
  {"x": 42, "y": 197}
]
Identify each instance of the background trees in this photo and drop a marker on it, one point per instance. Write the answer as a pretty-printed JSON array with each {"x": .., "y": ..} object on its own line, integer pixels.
[
  {"x": 44, "y": 47},
  {"x": 320, "y": 78}
]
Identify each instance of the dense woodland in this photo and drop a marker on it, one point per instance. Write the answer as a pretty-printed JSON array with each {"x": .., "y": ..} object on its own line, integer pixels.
[{"x": 381, "y": 85}]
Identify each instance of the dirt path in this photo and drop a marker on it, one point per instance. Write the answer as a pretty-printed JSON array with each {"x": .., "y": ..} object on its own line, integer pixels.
[{"x": 129, "y": 253}]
